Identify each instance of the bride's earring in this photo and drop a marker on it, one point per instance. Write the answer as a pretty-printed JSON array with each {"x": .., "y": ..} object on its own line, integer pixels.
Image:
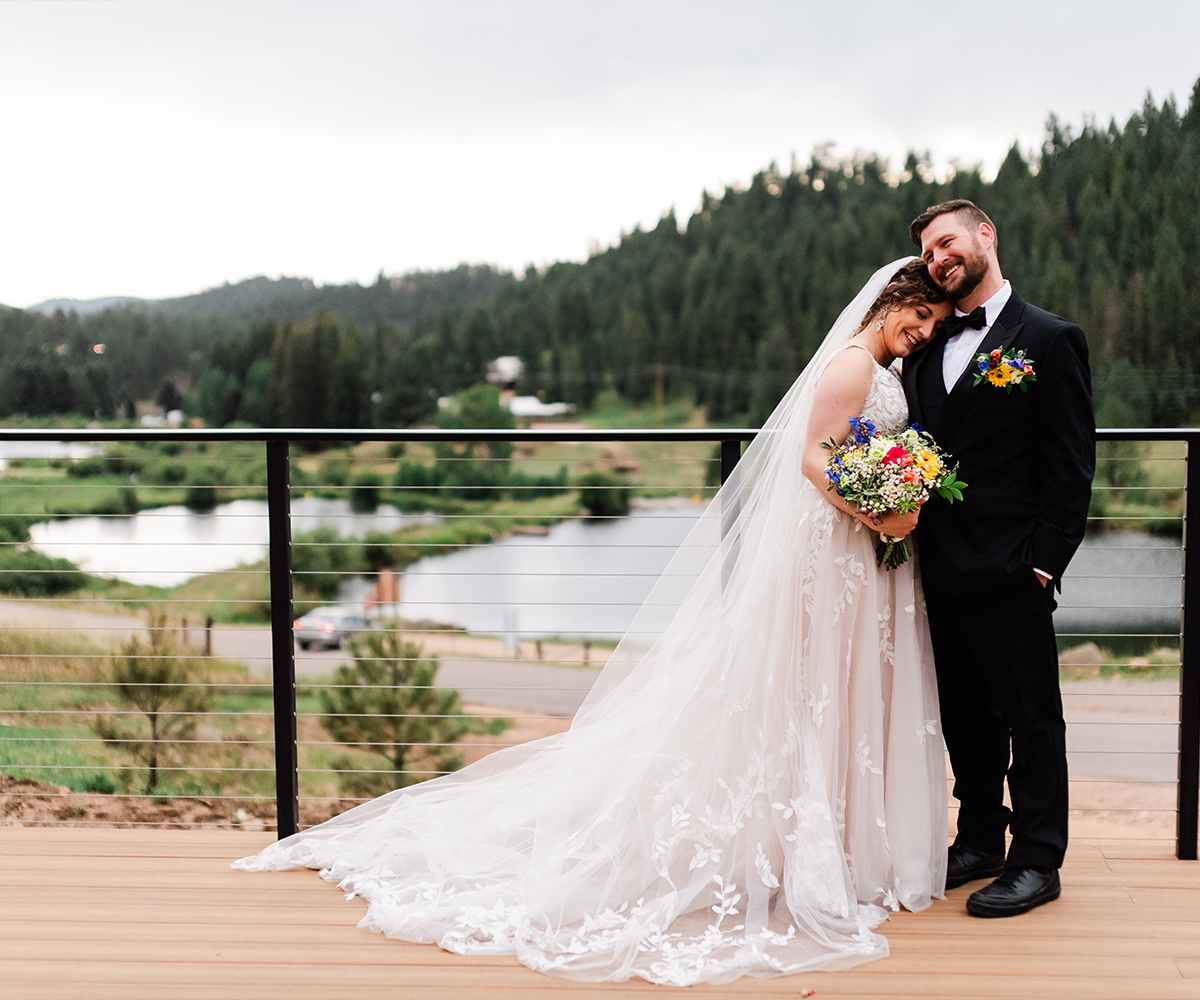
[{"x": 879, "y": 322}]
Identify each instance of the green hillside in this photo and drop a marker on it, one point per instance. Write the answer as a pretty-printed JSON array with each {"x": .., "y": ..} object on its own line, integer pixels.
[{"x": 1103, "y": 226}]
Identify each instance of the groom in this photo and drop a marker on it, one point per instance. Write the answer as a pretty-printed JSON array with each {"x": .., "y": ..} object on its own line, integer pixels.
[{"x": 990, "y": 563}]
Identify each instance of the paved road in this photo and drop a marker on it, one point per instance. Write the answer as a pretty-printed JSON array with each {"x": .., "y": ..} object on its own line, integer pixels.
[
  {"x": 494, "y": 681},
  {"x": 1122, "y": 729}
]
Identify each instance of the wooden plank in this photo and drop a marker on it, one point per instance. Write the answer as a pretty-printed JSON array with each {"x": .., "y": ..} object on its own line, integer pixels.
[
  {"x": 153, "y": 931},
  {"x": 132, "y": 876},
  {"x": 1145, "y": 850},
  {"x": 934, "y": 985},
  {"x": 348, "y": 990},
  {"x": 1173, "y": 929},
  {"x": 230, "y": 952},
  {"x": 1155, "y": 897},
  {"x": 1124, "y": 989},
  {"x": 474, "y": 978},
  {"x": 1190, "y": 968},
  {"x": 1029, "y": 945},
  {"x": 111, "y": 863},
  {"x": 1058, "y": 966},
  {"x": 180, "y": 911},
  {"x": 966, "y": 930},
  {"x": 142, "y": 841},
  {"x": 320, "y": 894},
  {"x": 1152, "y": 958},
  {"x": 484, "y": 982},
  {"x": 110, "y": 835}
]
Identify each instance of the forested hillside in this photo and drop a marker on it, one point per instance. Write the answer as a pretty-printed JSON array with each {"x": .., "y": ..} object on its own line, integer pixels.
[{"x": 1104, "y": 228}]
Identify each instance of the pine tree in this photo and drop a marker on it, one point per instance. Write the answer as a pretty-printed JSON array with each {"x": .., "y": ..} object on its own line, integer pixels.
[
  {"x": 155, "y": 682},
  {"x": 386, "y": 703}
]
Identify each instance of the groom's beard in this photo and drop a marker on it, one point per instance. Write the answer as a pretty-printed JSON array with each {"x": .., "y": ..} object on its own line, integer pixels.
[{"x": 973, "y": 269}]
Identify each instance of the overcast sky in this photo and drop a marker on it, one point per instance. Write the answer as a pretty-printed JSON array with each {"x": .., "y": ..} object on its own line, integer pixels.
[{"x": 156, "y": 149}]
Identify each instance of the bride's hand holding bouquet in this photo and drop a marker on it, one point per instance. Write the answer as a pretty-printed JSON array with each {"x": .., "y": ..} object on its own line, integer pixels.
[{"x": 887, "y": 476}]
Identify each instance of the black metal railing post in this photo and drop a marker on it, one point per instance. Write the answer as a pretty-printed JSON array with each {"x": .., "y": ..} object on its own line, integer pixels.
[
  {"x": 731, "y": 504},
  {"x": 731, "y": 452},
  {"x": 1188, "y": 788},
  {"x": 283, "y": 655}
]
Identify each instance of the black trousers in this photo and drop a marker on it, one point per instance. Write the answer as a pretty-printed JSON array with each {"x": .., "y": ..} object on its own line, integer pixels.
[{"x": 997, "y": 672}]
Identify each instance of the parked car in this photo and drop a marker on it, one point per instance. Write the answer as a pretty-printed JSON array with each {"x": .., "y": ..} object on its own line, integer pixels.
[{"x": 328, "y": 627}]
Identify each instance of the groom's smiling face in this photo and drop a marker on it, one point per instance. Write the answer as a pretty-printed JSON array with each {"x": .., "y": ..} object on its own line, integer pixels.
[{"x": 955, "y": 254}]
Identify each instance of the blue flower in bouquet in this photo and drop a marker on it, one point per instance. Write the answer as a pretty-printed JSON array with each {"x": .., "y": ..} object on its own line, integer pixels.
[{"x": 863, "y": 428}]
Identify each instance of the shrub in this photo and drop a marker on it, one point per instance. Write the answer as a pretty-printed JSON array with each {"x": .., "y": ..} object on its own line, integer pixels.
[
  {"x": 85, "y": 468},
  {"x": 603, "y": 494},
  {"x": 320, "y": 560},
  {"x": 201, "y": 498},
  {"x": 202, "y": 493},
  {"x": 98, "y": 783},
  {"x": 34, "y": 574},
  {"x": 334, "y": 472},
  {"x": 414, "y": 475},
  {"x": 364, "y": 496},
  {"x": 164, "y": 473}
]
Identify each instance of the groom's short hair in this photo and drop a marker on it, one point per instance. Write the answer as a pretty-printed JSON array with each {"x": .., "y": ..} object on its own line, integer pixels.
[{"x": 968, "y": 213}]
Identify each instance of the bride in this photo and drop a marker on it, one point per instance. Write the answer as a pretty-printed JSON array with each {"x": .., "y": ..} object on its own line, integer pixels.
[{"x": 756, "y": 777}]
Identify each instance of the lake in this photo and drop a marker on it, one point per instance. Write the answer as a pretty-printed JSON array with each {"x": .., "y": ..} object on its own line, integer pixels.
[
  {"x": 582, "y": 578},
  {"x": 168, "y": 545}
]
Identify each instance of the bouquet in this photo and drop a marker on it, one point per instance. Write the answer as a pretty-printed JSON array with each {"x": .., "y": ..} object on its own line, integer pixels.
[{"x": 890, "y": 473}]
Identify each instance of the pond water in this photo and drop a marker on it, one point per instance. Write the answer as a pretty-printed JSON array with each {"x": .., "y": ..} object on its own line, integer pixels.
[
  {"x": 1122, "y": 583},
  {"x": 12, "y": 450},
  {"x": 581, "y": 578},
  {"x": 589, "y": 579},
  {"x": 169, "y": 545}
]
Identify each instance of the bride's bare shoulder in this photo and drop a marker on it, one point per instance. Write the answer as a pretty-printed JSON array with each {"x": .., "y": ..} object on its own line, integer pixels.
[{"x": 852, "y": 365}]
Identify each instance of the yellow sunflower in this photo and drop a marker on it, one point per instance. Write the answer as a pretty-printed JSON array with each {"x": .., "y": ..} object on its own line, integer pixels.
[
  {"x": 929, "y": 464},
  {"x": 998, "y": 375}
]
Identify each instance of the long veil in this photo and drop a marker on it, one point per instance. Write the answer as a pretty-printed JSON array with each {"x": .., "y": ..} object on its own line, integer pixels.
[{"x": 695, "y": 822}]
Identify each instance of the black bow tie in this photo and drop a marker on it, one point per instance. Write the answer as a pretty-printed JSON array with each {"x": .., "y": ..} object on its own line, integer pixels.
[{"x": 976, "y": 320}]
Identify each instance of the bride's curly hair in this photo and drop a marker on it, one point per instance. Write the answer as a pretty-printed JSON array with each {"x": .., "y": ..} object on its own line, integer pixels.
[{"x": 910, "y": 285}]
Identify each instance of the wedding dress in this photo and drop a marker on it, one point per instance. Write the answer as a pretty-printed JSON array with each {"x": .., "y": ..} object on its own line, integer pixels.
[{"x": 754, "y": 781}]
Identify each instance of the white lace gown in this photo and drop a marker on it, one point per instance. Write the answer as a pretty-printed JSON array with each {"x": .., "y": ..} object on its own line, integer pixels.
[{"x": 749, "y": 796}]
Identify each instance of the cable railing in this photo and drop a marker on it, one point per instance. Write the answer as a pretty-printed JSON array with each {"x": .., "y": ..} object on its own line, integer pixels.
[{"x": 148, "y": 651}]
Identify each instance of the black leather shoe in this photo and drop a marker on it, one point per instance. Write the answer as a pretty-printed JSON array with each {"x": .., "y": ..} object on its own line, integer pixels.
[
  {"x": 1018, "y": 890},
  {"x": 965, "y": 864}
]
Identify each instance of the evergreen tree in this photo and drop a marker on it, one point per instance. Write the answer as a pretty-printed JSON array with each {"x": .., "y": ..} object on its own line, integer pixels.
[
  {"x": 153, "y": 680},
  {"x": 386, "y": 703}
]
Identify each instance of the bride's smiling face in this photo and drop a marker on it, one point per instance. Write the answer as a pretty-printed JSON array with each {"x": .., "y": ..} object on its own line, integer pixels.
[{"x": 910, "y": 327}]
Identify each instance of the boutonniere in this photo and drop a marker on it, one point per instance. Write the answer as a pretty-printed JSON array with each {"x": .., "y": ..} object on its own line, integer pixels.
[{"x": 1005, "y": 369}]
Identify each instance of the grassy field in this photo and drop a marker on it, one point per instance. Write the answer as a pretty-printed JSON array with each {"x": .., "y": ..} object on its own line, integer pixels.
[{"x": 54, "y": 685}]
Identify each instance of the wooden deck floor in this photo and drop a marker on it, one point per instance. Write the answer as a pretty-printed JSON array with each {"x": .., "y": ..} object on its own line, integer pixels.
[{"x": 128, "y": 914}]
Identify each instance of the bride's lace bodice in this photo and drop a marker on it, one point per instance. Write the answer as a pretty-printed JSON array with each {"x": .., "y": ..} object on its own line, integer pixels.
[{"x": 885, "y": 403}]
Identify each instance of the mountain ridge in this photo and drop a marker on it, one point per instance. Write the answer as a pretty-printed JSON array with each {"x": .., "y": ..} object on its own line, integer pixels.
[{"x": 394, "y": 298}]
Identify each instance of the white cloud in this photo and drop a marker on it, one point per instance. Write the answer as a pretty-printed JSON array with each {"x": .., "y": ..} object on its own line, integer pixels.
[{"x": 155, "y": 149}]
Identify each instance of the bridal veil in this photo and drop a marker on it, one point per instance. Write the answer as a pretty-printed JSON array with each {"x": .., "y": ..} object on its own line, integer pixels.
[{"x": 754, "y": 780}]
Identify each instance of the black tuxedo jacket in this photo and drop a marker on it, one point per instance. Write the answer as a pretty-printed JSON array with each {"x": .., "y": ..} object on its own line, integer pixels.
[{"x": 1027, "y": 457}]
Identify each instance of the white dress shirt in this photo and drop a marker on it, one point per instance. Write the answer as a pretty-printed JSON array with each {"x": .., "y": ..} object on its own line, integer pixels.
[{"x": 962, "y": 348}]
